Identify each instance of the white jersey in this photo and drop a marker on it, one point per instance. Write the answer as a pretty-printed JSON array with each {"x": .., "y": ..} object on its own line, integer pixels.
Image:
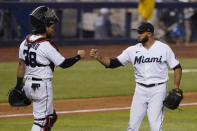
[
  {"x": 150, "y": 66},
  {"x": 42, "y": 53}
]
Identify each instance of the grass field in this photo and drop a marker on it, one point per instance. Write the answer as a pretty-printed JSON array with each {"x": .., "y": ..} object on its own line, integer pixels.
[
  {"x": 110, "y": 121},
  {"x": 91, "y": 79}
]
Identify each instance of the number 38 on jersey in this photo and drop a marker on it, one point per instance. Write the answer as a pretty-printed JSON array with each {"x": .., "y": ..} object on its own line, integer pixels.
[{"x": 30, "y": 58}]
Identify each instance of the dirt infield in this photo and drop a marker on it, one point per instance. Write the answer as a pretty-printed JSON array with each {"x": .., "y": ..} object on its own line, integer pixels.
[
  {"x": 11, "y": 54},
  {"x": 181, "y": 51},
  {"x": 85, "y": 104}
]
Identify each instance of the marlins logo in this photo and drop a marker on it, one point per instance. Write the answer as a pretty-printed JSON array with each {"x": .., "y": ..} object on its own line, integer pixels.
[{"x": 141, "y": 59}]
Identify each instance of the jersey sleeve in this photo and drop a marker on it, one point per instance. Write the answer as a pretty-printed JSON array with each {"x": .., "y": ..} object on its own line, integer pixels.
[
  {"x": 172, "y": 60},
  {"x": 53, "y": 55},
  {"x": 124, "y": 57}
]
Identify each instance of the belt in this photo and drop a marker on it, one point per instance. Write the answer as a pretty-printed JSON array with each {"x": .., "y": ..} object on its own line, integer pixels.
[
  {"x": 34, "y": 79},
  {"x": 150, "y": 85}
]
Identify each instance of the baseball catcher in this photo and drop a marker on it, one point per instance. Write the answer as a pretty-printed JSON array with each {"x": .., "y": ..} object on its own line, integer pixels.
[
  {"x": 38, "y": 55},
  {"x": 173, "y": 100},
  {"x": 17, "y": 97}
]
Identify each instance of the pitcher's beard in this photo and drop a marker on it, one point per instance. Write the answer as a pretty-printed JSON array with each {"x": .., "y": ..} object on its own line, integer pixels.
[{"x": 144, "y": 40}]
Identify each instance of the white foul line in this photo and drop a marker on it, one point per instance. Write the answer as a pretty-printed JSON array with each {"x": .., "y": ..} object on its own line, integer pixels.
[
  {"x": 16, "y": 115},
  {"x": 97, "y": 110},
  {"x": 188, "y": 104},
  {"x": 185, "y": 70},
  {"x": 85, "y": 111}
]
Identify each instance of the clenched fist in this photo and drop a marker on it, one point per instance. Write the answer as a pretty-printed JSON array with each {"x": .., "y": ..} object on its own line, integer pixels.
[
  {"x": 94, "y": 53},
  {"x": 81, "y": 53}
]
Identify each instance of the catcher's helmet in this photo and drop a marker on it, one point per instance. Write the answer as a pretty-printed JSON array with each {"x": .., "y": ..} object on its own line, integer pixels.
[{"x": 41, "y": 17}]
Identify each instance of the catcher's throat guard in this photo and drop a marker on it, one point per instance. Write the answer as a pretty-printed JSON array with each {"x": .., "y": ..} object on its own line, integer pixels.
[{"x": 18, "y": 98}]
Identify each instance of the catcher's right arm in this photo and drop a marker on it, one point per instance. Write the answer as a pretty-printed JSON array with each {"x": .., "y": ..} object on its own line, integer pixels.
[{"x": 174, "y": 98}]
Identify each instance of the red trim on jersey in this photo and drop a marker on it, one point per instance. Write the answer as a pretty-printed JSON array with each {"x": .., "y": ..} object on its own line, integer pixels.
[
  {"x": 47, "y": 98},
  {"x": 46, "y": 111},
  {"x": 39, "y": 40},
  {"x": 27, "y": 39},
  {"x": 52, "y": 43}
]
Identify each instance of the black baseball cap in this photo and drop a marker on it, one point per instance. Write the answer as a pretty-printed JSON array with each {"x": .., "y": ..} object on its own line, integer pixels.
[{"x": 145, "y": 27}]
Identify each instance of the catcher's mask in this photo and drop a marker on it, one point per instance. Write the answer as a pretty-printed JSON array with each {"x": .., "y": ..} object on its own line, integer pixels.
[{"x": 41, "y": 17}]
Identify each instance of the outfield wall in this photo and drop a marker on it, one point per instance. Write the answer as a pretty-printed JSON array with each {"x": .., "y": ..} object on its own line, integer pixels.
[
  {"x": 181, "y": 51},
  {"x": 87, "y": 6}
]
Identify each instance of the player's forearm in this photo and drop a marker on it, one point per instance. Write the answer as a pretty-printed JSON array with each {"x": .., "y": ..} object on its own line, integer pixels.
[
  {"x": 94, "y": 53},
  {"x": 177, "y": 77},
  {"x": 104, "y": 60},
  {"x": 68, "y": 62},
  {"x": 20, "y": 74},
  {"x": 21, "y": 69}
]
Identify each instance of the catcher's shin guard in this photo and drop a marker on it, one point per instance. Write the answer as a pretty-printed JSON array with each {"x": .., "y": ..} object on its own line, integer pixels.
[{"x": 49, "y": 121}]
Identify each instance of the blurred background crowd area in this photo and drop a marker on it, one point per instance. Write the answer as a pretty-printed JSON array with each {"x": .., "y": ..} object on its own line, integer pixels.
[{"x": 174, "y": 26}]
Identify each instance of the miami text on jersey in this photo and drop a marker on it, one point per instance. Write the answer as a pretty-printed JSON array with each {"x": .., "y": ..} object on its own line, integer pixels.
[{"x": 141, "y": 59}]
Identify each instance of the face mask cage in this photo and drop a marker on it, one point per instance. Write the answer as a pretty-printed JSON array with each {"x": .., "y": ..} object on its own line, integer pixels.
[{"x": 51, "y": 17}]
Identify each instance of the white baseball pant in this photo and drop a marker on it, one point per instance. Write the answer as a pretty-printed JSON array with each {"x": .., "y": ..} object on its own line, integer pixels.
[
  {"x": 148, "y": 100},
  {"x": 41, "y": 94}
]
